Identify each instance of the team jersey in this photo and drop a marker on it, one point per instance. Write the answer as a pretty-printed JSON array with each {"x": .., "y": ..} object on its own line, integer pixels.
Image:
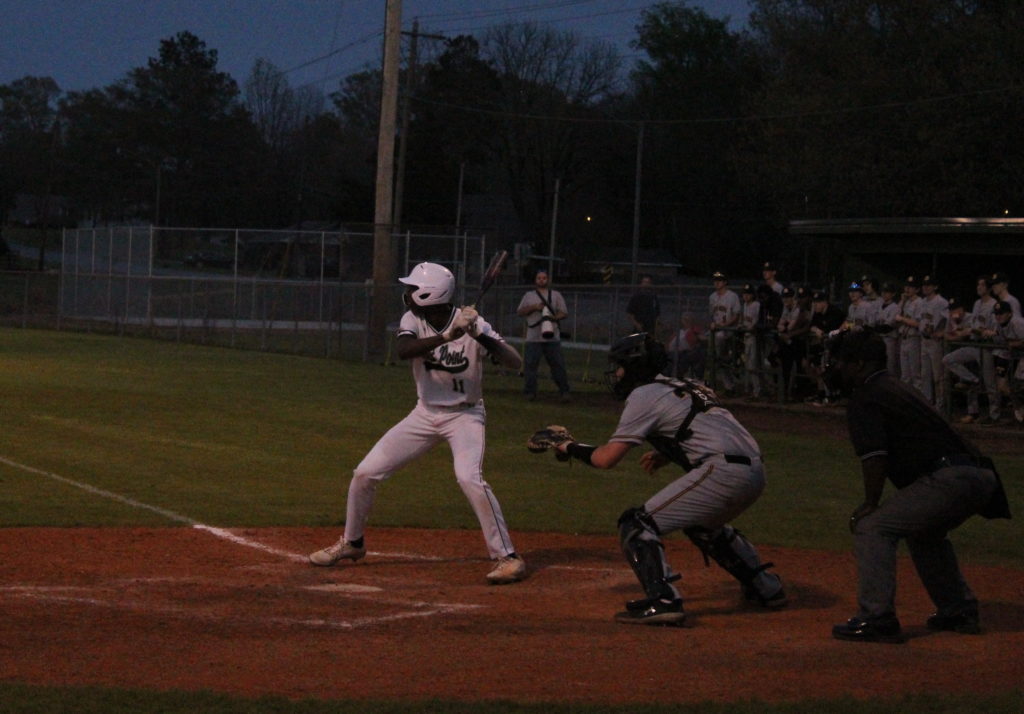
[
  {"x": 451, "y": 373},
  {"x": 932, "y": 316},
  {"x": 751, "y": 313},
  {"x": 723, "y": 307},
  {"x": 1014, "y": 303},
  {"x": 911, "y": 308},
  {"x": 1010, "y": 332},
  {"x": 790, "y": 318},
  {"x": 655, "y": 411},
  {"x": 886, "y": 320},
  {"x": 862, "y": 314},
  {"x": 982, "y": 317}
]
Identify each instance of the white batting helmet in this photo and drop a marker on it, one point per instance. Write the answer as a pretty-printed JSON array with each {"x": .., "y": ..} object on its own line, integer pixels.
[{"x": 435, "y": 284}]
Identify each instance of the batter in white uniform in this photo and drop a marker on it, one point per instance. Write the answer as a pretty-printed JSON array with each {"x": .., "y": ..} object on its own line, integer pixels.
[
  {"x": 447, "y": 346},
  {"x": 723, "y": 476}
]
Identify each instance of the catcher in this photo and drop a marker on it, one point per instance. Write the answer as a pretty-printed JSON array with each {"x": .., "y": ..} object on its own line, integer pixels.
[{"x": 723, "y": 475}]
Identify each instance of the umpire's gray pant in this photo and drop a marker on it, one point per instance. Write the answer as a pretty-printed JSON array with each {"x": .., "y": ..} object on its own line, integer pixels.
[{"x": 923, "y": 513}]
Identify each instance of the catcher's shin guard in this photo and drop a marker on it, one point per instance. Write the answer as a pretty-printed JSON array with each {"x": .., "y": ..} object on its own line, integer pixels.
[
  {"x": 734, "y": 553},
  {"x": 643, "y": 549}
]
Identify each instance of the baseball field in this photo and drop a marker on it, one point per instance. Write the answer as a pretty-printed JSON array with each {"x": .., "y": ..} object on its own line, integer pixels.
[{"x": 157, "y": 501}]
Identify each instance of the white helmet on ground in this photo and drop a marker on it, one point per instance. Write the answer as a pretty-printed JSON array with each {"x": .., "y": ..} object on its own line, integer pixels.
[{"x": 435, "y": 284}]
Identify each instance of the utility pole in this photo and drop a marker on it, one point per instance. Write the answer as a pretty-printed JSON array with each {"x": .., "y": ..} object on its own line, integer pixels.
[
  {"x": 383, "y": 249},
  {"x": 636, "y": 199},
  {"x": 403, "y": 134}
]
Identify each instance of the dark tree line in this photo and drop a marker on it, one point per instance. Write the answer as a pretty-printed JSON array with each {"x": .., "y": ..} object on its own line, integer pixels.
[{"x": 820, "y": 108}]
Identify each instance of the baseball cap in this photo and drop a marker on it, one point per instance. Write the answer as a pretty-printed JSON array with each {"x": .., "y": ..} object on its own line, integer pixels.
[
  {"x": 769, "y": 265},
  {"x": 749, "y": 289},
  {"x": 718, "y": 275},
  {"x": 911, "y": 280},
  {"x": 819, "y": 296},
  {"x": 998, "y": 278},
  {"x": 855, "y": 286},
  {"x": 867, "y": 279},
  {"x": 954, "y": 303},
  {"x": 929, "y": 280},
  {"x": 888, "y": 288},
  {"x": 788, "y": 292},
  {"x": 1001, "y": 308}
]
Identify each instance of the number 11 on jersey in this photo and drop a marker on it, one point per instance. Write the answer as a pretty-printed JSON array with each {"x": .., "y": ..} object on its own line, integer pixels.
[{"x": 459, "y": 386}]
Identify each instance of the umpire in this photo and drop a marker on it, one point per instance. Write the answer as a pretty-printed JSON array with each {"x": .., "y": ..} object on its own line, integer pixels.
[{"x": 941, "y": 480}]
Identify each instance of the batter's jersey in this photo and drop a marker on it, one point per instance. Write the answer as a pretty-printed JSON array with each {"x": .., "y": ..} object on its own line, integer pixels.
[
  {"x": 655, "y": 411},
  {"x": 451, "y": 373},
  {"x": 723, "y": 307}
]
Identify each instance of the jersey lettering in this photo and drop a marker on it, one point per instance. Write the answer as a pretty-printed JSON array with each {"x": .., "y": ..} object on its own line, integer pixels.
[{"x": 447, "y": 360}]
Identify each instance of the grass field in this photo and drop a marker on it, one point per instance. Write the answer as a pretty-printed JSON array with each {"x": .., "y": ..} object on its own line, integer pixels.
[{"x": 235, "y": 438}]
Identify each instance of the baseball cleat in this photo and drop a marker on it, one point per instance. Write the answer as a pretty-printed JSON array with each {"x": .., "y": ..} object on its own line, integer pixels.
[
  {"x": 665, "y": 613},
  {"x": 510, "y": 569},
  {"x": 772, "y": 602},
  {"x": 857, "y": 629},
  {"x": 342, "y": 550},
  {"x": 966, "y": 623}
]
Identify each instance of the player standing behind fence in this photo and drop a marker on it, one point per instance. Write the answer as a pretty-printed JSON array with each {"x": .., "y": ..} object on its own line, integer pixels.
[
  {"x": 751, "y": 341},
  {"x": 932, "y": 317},
  {"x": 910, "y": 338},
  {"x": 723, "y": 477},
  {"x": 982, "y": 326},
  {"x": 447, "y": 347},
  {"x": 724, "y": 309},
  {"x": 886, "y": 326}
]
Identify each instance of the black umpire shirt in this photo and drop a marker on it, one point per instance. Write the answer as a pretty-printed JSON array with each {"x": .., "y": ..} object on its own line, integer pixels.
[{"x": 886, "y": 418}]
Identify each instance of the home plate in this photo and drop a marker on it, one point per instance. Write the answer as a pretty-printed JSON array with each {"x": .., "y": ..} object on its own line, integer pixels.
[{"x": 345, "y": 588}]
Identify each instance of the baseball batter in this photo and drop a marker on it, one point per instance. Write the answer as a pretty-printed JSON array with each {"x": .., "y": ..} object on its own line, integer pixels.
[
  {"x": 447, "y": 346},
  {"x": 723, "y": 476}
]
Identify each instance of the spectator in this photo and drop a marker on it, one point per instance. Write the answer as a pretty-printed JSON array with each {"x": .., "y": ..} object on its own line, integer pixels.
[
  {"x": 910, "y": 338},
  {"x": 826, "y": 319},
  {"x": 686, "y": 352},
  {"x": 860, "y": 312},
  {"x": 724, "y": 308},
  {"x": 752, "y": 360},
  {"x": 932, "y": 319},
  {"x": 982, "y": 328},
  {"x": 886, "y": 326},
  {"x": 768, "y": 271},
  {"x": 1009, "y": 368},
  {"x": 543, "y": 308},
  {"x": 1000, "y": 284},
  {"x": 643, "y": 308},
  {"x": 792, "y": 328}
]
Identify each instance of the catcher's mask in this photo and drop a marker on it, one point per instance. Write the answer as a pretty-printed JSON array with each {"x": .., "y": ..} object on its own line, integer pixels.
[
  {"x": 430, "y": 284},
  {"x": 641, "y": 358}
]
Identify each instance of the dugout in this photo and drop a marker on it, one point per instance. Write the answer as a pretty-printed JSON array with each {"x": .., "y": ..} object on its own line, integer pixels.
[{"x": 956, "y": 250}]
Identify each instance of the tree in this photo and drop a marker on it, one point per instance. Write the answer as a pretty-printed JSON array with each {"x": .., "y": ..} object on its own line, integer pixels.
[
  {"x": 30, "y": 148},
  {"x": 549, "y": 84},
  {"x": 888, "y": 108},
  {"x": 186, "y": 115}
]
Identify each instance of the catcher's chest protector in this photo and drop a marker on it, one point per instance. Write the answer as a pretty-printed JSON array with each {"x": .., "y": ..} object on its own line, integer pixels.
[{"x": 701, "y": 399}]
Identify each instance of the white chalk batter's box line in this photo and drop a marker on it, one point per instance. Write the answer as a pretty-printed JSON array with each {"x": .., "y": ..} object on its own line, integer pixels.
[
  {"x": 227, "y": 535},
  {"x": 54, "y": 595}
]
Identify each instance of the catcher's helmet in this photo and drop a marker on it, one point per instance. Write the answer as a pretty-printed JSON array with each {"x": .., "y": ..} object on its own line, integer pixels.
[
  {"x": 433, "y": 285},
  {"x": 641, "y": 357}
]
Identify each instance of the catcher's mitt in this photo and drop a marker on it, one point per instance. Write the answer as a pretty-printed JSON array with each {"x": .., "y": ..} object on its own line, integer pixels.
[{"x": 548, "y": 437}]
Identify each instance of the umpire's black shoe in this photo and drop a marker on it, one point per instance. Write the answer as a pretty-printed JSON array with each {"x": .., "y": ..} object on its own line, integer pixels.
[
  {"x": 966, "y": 623},
  {"x": 668, "y": 613},
  {"x": 857, "y": 629}
]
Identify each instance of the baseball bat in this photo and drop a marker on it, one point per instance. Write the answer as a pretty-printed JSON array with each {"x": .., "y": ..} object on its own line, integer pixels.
[{"x": 490, "y": 275}]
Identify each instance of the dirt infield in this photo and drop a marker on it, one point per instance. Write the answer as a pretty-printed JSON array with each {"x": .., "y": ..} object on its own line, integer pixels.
[{"x": 241, "y": 612}]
